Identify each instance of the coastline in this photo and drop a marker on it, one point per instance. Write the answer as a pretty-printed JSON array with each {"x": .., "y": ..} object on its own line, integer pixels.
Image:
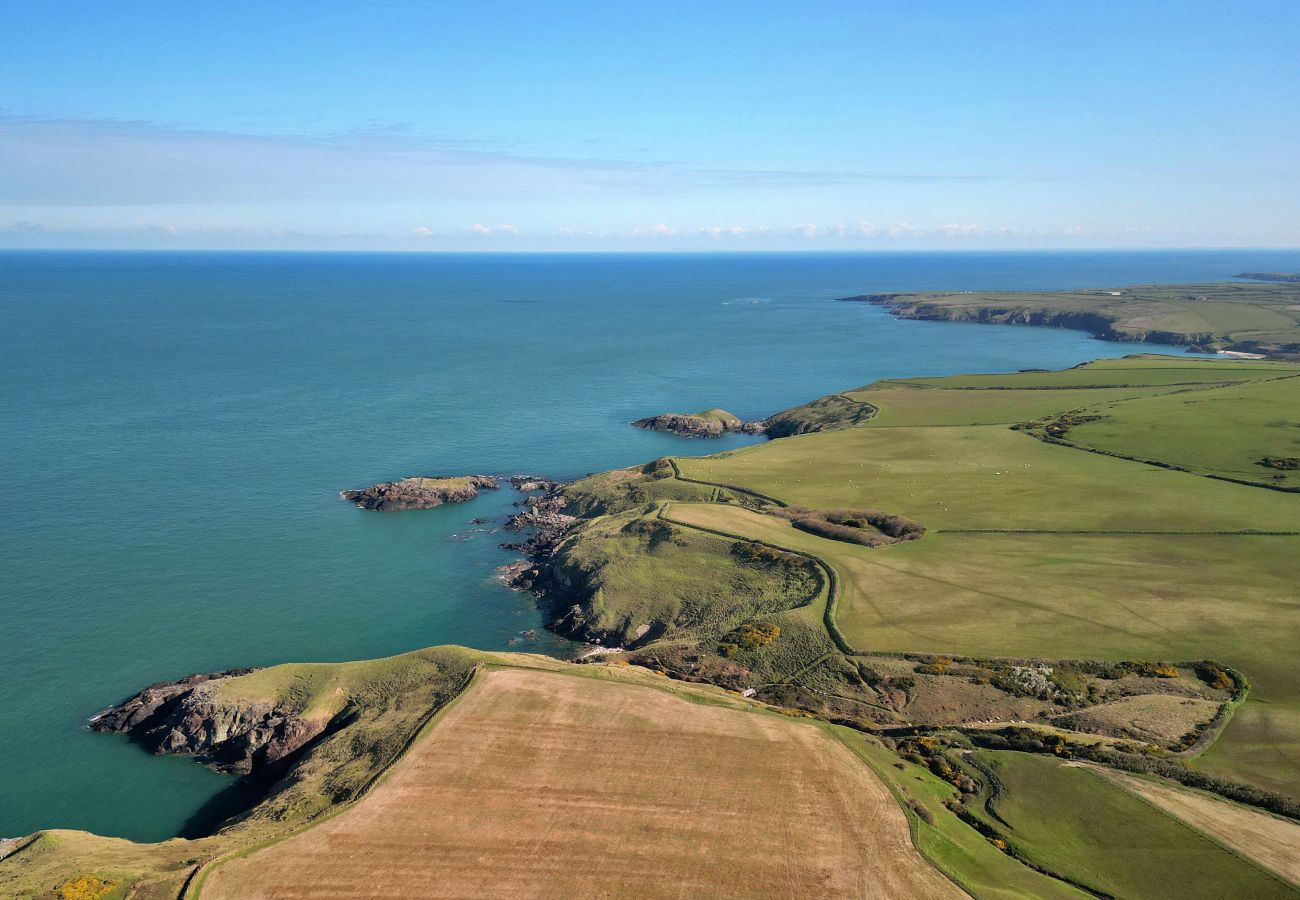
[
  {"x": 631, "y": 505},
  {"x": 1178, "y": 315}
]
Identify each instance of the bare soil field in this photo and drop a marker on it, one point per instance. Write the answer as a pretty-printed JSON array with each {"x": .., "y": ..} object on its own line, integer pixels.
[
  {"x": 1268, "y": 840},
  {"x": 537, "y": 784}
]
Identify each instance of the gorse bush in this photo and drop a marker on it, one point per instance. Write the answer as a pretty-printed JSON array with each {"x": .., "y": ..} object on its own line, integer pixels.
[
  {"x": 86, "y": 887},
  {"x": 921, "y": 812},
  {"x": 748, "y": 637},
  {"x": 1215, "y": 675},
  {"x": 937, "y": 666}
]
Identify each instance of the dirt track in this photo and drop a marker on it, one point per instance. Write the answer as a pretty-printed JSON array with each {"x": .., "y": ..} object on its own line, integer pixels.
[{"x": 539, "y": 784}]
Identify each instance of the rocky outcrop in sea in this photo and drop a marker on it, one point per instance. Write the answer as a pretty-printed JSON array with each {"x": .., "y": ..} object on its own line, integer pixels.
[
  {"x": 191, "y": 717},
  {"x": 420, "y": 492},
  {"x": 711, "y": 424}
]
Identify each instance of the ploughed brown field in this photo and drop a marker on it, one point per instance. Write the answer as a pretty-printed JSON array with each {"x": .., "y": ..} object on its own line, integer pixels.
[{"x": 540, "y": 784}]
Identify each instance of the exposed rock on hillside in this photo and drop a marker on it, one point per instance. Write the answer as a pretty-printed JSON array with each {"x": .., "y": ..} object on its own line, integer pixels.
[
  {"x": 711, "y": 423},
  {"x": 191, "y": 717},
  {"x": 420, "y": 492}
]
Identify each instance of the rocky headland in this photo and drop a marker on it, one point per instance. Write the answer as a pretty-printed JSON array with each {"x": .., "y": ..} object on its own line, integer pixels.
[
  {"x": 1161, "y": 314},
  {"x": 420, "y": 492},
  {"x": 1279, "y": 277},
  {"x": 190, "y": 717},
  {"x": 1100, "y": 325},
  {"x": 711, "y": 423}
]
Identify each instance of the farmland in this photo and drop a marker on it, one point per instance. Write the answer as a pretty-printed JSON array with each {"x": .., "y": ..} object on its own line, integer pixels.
[
  {"x": 1068, "y": 819},
  {"x": 619, "y": 789},
  {"x": 1037, "y": 548}
]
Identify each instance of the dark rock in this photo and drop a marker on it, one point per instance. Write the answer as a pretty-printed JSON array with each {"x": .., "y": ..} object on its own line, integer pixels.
[
  {"x": 420, "y": 492},
  {"x": 710, "y": 424},
  {"x": 190, "y": 717}
]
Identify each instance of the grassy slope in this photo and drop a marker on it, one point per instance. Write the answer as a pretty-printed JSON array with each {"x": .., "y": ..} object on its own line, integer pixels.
[
  {"x": 950, "y": 844},
  {"x": 638, "y": 572},
  {"x": 1064, "y": 595},
  {"x": 1077, "y": 824}
]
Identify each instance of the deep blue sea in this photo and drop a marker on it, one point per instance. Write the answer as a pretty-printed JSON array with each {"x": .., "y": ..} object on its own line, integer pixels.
[{"x": 175, "y": 428}]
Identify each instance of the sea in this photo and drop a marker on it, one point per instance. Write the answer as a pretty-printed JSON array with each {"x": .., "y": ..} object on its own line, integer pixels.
[{"x": 175, "y": 429}]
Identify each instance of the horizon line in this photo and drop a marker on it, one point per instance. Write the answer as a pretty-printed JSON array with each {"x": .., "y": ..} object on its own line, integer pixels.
[{"x": 679, "y": 251}]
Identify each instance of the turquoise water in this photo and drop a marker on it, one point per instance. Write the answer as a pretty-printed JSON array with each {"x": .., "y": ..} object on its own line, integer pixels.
[{"x": 174, "y": 430}]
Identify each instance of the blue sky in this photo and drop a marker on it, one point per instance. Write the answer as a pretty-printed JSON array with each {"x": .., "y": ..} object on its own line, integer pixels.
[{"x": 729, "y": 126}]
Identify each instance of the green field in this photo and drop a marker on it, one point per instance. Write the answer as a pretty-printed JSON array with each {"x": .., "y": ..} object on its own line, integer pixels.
[
  {"x": 1039, "y": 549},
  {"x": 1225, "y": 431},
  {"x": 950, "y": 844},
  {"x": 1072, "y": 822}
]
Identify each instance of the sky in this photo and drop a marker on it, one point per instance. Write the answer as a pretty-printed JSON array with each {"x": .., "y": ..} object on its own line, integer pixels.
[{"x": 649, "y": 126}]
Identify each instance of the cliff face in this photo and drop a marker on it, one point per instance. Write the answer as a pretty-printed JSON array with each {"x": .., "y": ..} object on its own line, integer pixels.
[
  {"x": 1099, "y": 324},
  {"x": 420, "y": 492},
  {"x": 190, "y": 717}
]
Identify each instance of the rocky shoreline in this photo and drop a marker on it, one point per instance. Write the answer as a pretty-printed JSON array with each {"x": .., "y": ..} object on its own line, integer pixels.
[
  {"x": 420, "y": 492},
  {"x": 544, "y": 515},
  {"x": 1098, "y": 325},
  {"x": 189, "y": 717}
]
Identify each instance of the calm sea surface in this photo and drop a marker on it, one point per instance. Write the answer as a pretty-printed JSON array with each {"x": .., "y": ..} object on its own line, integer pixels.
[{"x": 174, "y": 430}]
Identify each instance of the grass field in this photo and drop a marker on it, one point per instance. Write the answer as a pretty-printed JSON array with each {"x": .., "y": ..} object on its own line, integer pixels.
[
  {"x": 1073, "y": 822},
  {"x": 547, "y": 785},
  {"x": 990, "y": 477},
  {"x": 1085, "y": 555},
  {"x": 1224, "y": 431},
  {"x": 1270, "y": 841}
]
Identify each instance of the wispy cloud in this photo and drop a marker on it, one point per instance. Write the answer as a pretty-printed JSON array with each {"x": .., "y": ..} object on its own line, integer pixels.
[{"x": 66, "y": 162}]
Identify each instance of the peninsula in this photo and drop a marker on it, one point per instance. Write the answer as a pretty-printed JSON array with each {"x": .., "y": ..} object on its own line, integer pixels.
[{"x": 1234, "y": 317}]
